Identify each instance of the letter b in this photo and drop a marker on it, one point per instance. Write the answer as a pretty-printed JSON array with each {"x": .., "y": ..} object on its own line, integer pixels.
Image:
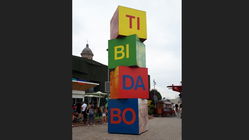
[
  {"x": 119, "y": 52},
  {"x": 117, "y": 115}
]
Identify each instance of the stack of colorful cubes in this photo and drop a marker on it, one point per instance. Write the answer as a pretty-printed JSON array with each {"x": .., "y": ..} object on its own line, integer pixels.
[{"x": 129, "y": 85}]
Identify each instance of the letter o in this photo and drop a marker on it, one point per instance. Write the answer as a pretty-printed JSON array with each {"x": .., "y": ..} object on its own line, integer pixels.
[{"x": 133, "y": 116}]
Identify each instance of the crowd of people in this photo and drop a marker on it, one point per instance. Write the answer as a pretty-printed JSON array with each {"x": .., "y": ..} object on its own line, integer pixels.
[{"x": 89, "y": 113}]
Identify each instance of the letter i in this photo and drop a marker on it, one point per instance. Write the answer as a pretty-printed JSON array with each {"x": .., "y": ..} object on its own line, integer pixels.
[
  {"x": 138, "y": 23},
  {"x": 127, "y": 50}
]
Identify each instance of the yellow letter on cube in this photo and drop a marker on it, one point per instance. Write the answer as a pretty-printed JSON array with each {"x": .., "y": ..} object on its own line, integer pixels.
[{"x": 120, "y": 50}]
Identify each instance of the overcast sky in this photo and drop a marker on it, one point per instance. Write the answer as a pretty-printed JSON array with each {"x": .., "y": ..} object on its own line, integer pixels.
[{"x": 91, "y": 22}]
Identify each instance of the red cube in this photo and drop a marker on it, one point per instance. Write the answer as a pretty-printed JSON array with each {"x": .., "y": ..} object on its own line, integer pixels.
[{"x": 129, "y": 82}]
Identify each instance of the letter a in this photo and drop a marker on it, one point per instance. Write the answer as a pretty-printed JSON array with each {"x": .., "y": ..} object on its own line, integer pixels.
[{"x": 139, "y": 80}]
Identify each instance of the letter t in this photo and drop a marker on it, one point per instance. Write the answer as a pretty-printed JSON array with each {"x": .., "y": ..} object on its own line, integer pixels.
[{"x": 130, "y": 19}]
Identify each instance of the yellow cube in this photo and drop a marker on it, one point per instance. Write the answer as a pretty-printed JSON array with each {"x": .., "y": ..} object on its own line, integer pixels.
[{"x": 128, "y": 21}]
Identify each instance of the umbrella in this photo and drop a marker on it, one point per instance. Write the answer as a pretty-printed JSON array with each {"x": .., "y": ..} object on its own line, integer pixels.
[{"x": 98, "y": 94}]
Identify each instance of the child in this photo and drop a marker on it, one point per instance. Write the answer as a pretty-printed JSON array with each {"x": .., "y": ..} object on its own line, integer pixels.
[{"x": 104, "y": 114}]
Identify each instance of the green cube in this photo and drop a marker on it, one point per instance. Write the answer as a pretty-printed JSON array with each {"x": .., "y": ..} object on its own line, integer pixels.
[{"x": 126, "y": 51}]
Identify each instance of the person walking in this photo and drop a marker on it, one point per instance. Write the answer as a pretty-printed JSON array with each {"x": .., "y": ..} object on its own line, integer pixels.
[
  {"x": 99, "y": 114},
  {"x": 91, "y": 115},
  {"x": 78, "y": 111},
  {"x": 104, "y": 115},
  {"x": 181, "y": 110},
  {"x": 84, "y": 114},
  {"x": 74, "y": 107},
  {"x": 176, "y": 110}
]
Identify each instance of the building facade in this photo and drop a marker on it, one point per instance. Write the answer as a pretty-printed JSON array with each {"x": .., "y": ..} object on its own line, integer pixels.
[{"x": 86, "y": 69}]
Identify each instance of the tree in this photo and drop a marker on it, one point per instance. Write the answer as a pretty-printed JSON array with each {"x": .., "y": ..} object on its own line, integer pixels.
[{"x": 155, "y": 92}]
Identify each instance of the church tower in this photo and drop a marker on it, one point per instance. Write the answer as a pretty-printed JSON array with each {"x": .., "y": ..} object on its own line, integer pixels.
[{"x": 87, "y": 52}]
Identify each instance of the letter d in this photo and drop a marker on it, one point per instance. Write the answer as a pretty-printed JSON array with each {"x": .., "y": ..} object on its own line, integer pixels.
[{"x": 124, "y": 82}]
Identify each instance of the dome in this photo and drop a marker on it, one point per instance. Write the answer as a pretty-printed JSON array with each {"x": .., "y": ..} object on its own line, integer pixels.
[{"x": 87, "y": 52}]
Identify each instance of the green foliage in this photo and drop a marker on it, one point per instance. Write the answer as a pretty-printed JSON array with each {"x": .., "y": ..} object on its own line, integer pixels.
[
  {"x": 157, "y": 93},
  {"x": 151, "y": 109}
]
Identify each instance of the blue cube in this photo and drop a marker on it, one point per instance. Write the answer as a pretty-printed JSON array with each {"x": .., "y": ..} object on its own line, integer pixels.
[{"x": 127, "y": 116}]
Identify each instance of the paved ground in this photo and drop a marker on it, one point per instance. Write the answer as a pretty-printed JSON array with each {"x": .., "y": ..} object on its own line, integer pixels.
[{"x": 160, "y": 128}]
